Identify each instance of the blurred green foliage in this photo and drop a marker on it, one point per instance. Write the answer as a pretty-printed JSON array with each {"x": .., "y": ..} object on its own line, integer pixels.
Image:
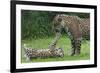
[{"x": 38, "y": 24}]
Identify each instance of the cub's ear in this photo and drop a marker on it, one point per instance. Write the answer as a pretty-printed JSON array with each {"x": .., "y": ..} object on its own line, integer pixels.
[{"x": 61, "y": 47}]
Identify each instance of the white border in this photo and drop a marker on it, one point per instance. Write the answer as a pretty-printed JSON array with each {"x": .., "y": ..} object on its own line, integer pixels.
[{"x": 51, "y": 64}]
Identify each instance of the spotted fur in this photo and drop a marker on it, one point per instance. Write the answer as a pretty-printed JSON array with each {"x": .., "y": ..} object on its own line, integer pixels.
[
  {"x": 75, "y": 27},
  {"x": 42, "y": 53}
]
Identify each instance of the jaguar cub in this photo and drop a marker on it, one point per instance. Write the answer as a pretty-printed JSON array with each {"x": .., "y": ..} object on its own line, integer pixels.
[{"x": 42, "y": 53}]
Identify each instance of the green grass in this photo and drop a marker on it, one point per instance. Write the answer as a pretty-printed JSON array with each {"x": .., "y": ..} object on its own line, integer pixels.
[{"x": 64, "y": 42}]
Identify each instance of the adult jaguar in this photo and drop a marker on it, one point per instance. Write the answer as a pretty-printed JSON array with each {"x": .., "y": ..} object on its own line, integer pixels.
[{"x": 75, "y": 27}]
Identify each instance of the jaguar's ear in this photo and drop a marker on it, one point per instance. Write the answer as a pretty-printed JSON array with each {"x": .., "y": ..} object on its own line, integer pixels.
[{"x": 59, "y": 19}]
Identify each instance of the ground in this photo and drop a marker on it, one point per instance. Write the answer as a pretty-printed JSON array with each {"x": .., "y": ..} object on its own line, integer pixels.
[{"x": 64, "y": 42}]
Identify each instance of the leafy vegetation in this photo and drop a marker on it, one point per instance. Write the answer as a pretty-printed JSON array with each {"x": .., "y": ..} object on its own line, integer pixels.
[{"x": 38, "y": 24}]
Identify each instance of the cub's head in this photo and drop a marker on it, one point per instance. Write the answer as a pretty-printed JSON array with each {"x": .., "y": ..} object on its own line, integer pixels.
[{"x": 58, "y": 52}]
